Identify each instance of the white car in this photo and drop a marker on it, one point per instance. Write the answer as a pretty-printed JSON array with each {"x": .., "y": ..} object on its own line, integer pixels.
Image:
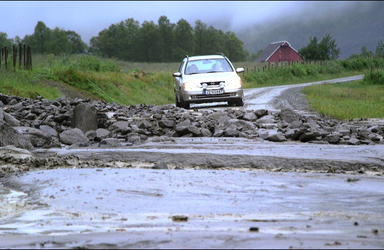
[{"x": 209, "y": 78}]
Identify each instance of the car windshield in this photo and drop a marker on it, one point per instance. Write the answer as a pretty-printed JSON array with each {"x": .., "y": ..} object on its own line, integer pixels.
[{"x": 207, "y": 66}]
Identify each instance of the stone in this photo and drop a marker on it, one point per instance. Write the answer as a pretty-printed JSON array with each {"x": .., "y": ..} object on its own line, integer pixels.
[
  {"x": 231, "y": 131},
  {"x": 84, "y": 117},
  {"x": 37, "y": 137},
  {"x": 134, "y": 138},
  {"x": 288, "y": 115},
  {"x": 250, "y": 116},
  {"x": 333, "y": 138},
  {"x": 261, "y": 112},
  {"x": 110, "y": 142},
  {"x": 48, "y": 130},
  {"x": 206, "y": 132},
  {"x": 183, "y": 126},
  {"x": 276, "y": 137},
  {"x": 91, "y": 134},
  {"x": 194, "y": 130},
  {"x": 309, "y": 136},
  {"x": 102, "y": 133},
  {"x": 10, "y": 136},
  {"x": 166, "y": 123},
  {"x": 120, "y": 126},
  {"x": 73, "y": 136},
  {"x": 1, "y": 115},
  {"x": 12, "y": 121},
  {"x": 266, "y": 119}
]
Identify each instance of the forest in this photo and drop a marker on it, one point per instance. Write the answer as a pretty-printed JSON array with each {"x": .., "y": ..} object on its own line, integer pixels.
[{"x": 131, "y": 41}]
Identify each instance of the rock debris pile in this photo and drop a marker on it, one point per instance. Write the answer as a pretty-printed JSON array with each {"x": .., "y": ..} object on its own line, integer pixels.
[{"x": 39, "y": 123}]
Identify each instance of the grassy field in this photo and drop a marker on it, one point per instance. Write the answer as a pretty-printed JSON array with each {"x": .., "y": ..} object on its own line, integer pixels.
[
  {"x": 132, "y": 83},
  {"x": 358, "y": 99}
]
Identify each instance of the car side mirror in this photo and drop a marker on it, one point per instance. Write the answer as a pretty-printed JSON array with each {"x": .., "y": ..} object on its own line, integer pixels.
[
  {"x": 240, "y": 70},
  {"x": 176, "y": 74}
]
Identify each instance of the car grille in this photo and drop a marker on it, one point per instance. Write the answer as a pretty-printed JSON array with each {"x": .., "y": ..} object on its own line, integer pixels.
[
  {"x": 211, "y": 83},
  {"x": 194, "y": 97}
]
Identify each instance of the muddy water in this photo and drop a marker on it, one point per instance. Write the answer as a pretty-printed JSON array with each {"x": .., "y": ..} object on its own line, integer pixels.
[{"x": 217, "y": 207}]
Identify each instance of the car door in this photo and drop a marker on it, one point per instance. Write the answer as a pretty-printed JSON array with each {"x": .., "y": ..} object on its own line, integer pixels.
[{"x": 179, "y": 80}]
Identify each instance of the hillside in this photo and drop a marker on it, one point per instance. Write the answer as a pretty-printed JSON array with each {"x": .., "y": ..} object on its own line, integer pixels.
[{"x": 352, "y": 27}]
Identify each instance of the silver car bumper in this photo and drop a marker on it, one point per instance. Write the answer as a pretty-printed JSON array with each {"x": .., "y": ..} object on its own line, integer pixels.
[{"x": 200, "y": 96}]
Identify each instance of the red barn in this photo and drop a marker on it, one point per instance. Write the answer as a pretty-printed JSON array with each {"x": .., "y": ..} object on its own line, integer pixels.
[{"x": 279, "y": 52}]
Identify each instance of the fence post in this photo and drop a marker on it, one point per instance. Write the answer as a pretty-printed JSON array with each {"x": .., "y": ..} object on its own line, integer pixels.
[
  {"x": 24, "y": 56},
  {"x": 14, "y": 57},
  {"x": 20, "y": 55},
  {"x": 6, "y": 58}
]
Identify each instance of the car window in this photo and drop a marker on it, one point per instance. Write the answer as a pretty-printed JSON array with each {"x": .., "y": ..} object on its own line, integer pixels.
[{"x": 207, "y": 66}]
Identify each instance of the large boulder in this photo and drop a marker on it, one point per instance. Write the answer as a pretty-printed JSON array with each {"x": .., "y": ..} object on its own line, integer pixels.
[
  {"x": 73, "y": 136},
  {"x": 84, "y": 117},
  {"x": 8, "y": 118},
  {"x": 10, "y": 136},
  {"x": 38, "y": 137}
]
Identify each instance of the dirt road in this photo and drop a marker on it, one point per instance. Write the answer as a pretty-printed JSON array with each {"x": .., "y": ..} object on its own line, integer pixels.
[{"x": 203, "y": 193}]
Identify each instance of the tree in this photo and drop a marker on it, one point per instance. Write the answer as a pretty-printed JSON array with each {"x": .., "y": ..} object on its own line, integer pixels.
[
  {"x": 365, "y": 52},
  {"x": 149, "y": 42},
  {"x": 380, "y": 49},
  {"x": 4, "y": 41},
  {"x": 184, "y": 42},
  {"x": 166, "y": 31},
  {"x": 326, "y": 49}
]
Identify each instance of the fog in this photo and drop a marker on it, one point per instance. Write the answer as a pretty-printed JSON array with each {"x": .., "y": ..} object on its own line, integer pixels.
[{"x": 88, "y": 18}]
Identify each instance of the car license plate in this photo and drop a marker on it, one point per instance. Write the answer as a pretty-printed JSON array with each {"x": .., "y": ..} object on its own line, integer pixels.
[{"x": 214, "y": 91}]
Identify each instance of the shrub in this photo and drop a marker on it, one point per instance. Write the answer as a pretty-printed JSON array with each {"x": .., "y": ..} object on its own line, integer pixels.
[{"x": 374, "y": 77}]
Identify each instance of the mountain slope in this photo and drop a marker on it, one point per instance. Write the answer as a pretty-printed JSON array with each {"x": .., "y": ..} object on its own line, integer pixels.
[{"x": 352, "y": 27}]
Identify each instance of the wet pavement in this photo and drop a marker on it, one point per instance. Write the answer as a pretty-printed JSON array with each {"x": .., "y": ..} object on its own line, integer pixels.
[{"x": 221, "y": 208}]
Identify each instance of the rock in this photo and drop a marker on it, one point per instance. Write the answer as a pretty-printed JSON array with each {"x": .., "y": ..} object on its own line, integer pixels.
[
  {"x": 1, "y": 115},
  {"x": 333, "y": 138},
  {"x": 110, "y": 142},
  {"x": 218, "y": 132},
  {"x": 183, "y": 126},
  {"x": 288, "y": 115},
  {"x": 261, "y": 112},
  {"x": 48, "y": 130},
  {"x": 166, "y": 123},
  {"x": 144, "y": 124},
  {"x": 101, "y": 133},
  {"x": 353, "y": 141},
  {"x": 84, "y": 117},
  {"x": 37, "y": 137},
  {"x": 231, "y": 131},
  {"x": 250, "y": 116},
  {"x": 266, "y": 119},
  {"x": 91, "y": 134},
  {"x": 12, "y": 121},
  {"x": 375, "y": 137},
  {"x": 295, "y": 124},
  {"x": 276, "y": 137},
  {"x": 194, "y": 130},
  {"x": 10, "y": 136},
  {"x": 309, "y": 136},
  {"x": 120, "y": 126},
  {"x": 206, "y": 132},
  {"x": 133, "y": 138},
  {"x": 265, "y": 133},
  {"x": 73, "y": 136},
  {"x": 1, "y": 104}
]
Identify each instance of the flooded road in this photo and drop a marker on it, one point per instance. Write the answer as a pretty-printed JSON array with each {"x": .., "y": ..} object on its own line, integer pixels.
[
  {"x": 200, "y": 193},
  {"x": 193, "y": 208}
]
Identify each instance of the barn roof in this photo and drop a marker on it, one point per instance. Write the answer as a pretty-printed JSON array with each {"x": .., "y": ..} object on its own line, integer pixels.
[{"x": 270, "y": 50}]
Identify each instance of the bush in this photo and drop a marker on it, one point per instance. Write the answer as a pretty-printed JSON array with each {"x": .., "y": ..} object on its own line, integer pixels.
[{"x": 374, "y": 77}]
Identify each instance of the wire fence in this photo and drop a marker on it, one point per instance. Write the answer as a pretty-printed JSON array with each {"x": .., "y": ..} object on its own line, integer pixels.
[{"x": 21, "y": 54}]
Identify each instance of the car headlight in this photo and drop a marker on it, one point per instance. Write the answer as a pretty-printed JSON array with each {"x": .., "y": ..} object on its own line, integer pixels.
[
  {"x": 234, "y": 84},
  {"x": 189, "y": 86}
]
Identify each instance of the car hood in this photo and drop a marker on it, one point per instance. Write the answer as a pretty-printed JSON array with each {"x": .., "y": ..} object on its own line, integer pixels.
[{"x": 211, "y": 77}]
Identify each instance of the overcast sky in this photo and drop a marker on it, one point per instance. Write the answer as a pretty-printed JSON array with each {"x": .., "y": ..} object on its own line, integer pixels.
[{"x": 88, "y": 18}]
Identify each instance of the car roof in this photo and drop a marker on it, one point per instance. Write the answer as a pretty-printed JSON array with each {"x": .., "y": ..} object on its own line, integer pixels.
[{"x": 191, "y": 58}]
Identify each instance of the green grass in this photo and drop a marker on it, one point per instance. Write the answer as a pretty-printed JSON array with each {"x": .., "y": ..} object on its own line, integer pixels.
[
  {"x": 132, "y": 83},
  {"x": 26, "y": 84},
  {"x": 358, "y": 99}
]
